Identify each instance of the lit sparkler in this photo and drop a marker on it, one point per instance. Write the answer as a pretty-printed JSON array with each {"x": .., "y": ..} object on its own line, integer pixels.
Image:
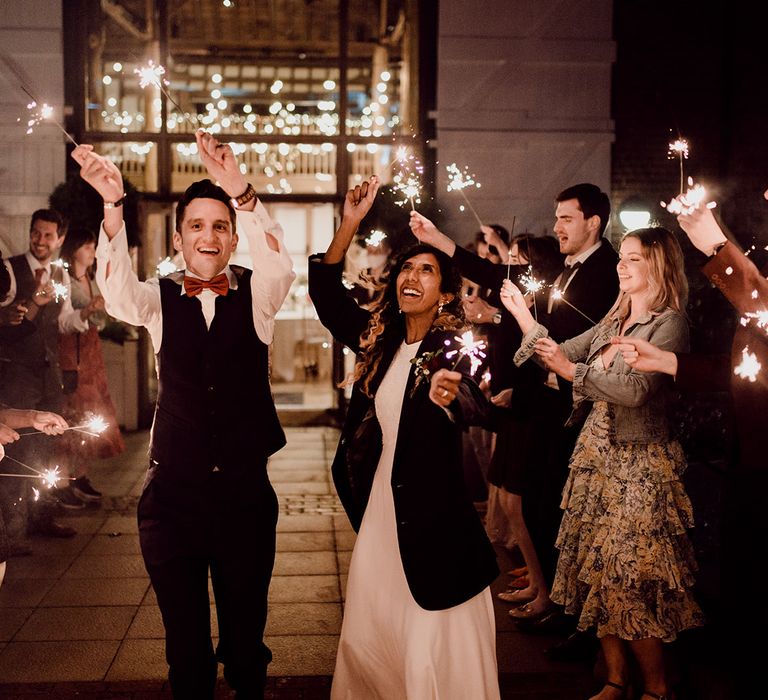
[
  {"x": 152, "y": 74},
  {"x": 749, "y": 367},
  {"x": 531, "y": 284},
  {"x": 166, "y": 267},
  {"x": 679, "y": 149},
  {"x": 557, "y": 295},
  {"x": 459, "y": 180},
  {"x": 60, "y": 291},
  {"x": 688, "y": 202},
  {"x": 375, "y": 238},
  {"x": 469, "y": 347},
  {"x": 761, "y": 318},
  {"x": 410, "y": 188},
  {"x": 42, "y": 113},
  {"x": 60, "y": 264}
]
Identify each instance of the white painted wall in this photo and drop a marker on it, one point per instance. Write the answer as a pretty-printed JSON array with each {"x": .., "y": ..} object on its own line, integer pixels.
[
  {"x": 30, "y": 165},
  {"x": 523, "y": 100}
]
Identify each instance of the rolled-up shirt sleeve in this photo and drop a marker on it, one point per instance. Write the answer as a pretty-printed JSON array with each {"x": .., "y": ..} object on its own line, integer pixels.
[
  {"x": 125, "y": 297},
  {"x": 272, "y": 269}
]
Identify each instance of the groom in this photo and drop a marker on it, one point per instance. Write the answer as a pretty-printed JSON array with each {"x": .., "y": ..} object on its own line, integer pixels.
[{"x": 207, "y": 504}]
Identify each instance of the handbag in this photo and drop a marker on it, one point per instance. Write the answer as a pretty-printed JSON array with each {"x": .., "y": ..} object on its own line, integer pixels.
[{"x": 69, "y": 377}]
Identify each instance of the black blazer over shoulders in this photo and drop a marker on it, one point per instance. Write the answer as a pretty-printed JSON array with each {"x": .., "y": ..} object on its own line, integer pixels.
[{"x": 446, "y": 555}]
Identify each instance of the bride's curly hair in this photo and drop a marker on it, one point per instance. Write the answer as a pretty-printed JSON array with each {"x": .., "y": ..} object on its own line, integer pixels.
[{"x": 387, "y": 320}]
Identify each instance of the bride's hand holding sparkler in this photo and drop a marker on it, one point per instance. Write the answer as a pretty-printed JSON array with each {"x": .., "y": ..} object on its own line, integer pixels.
[
  {"x": 701, "y": 227},
  {"x": 516, "y": 304},
  {"x": 444, "y": 387},
  {"x": 554, "y": 358},
  {"x": 359, "y": 201},
  {"x": 428, "y": 233},
  {"x": 47, "y": 422}
]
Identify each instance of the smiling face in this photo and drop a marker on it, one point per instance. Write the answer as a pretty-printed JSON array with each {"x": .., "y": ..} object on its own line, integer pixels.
[
  {"x": 418, "y": 286},
  {"x": 207, "y": 240},
  {"x": 632, "y": 267},
  {"x": 575, "y": 233},
  {"x": 44, "y": 240}
]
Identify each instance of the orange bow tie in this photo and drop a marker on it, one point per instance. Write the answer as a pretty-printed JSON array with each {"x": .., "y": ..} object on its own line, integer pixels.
[{"x": 193, "y": 286}]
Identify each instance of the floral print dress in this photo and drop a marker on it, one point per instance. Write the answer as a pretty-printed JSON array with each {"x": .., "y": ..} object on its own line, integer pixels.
[{"x": 626, "y": 565}]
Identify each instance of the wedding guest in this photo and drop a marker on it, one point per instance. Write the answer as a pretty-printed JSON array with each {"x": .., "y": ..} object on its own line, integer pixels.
[
  {"x": 626, "y": 565},
  {"x": 418, "y": 596},
  {"x": 207, "y": 504},
  {"x": 85, "y": 387}
]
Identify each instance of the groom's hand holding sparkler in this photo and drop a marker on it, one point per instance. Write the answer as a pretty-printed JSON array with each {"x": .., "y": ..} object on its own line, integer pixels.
[
  {"x": 444, "y": 387},
  {"x": 104, "y": 176}
]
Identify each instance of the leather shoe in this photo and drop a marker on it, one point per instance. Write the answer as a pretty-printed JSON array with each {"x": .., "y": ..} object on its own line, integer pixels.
[
  {"x": 579, "y": 646},
  {"x": 50, "y": 528},
  {"x": 551, "y": 622}
]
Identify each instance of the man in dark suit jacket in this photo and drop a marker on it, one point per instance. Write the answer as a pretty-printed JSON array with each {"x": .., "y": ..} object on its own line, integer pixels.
[
  {"x": 588, "y": 286},
  {"x": 207, "y": 504}
]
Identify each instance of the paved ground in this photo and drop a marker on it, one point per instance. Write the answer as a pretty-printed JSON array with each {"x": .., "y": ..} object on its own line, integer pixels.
[{"x": 78, "y": 618}]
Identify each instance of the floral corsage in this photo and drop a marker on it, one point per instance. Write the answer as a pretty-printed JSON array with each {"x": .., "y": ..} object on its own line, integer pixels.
[{"x": 426, "y": 365}]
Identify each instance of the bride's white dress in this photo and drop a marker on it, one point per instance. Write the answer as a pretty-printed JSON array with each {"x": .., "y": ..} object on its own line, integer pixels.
[{"x": 390, "y": 648}]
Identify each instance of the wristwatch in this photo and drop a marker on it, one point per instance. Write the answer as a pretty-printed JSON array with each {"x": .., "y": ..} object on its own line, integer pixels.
[
  {"x": 245, "y": 197},
  {"x": 496, "y": 318}
]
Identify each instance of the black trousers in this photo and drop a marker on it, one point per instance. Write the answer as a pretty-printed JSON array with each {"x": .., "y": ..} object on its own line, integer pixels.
[{"x": 226, "y": 527}]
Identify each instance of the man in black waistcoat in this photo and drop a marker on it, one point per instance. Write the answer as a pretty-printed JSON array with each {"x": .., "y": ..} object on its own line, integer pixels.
[
  {"x": 207, "y": 503},
  {"x": 35, "y": 309}
]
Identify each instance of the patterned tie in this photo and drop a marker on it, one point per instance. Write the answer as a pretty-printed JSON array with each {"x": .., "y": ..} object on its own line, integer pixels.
[
  {"x": 193, "y": 286},
  {"x": 567, "y": 274}
]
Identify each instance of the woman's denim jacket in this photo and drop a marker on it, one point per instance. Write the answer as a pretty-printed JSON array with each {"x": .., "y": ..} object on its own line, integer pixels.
[{"x": 637, "y": 401}]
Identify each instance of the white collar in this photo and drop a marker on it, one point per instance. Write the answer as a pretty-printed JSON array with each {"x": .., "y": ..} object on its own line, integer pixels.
[
  {"x": 581, "y": 257},
  {"x": 231, "y": 276}
]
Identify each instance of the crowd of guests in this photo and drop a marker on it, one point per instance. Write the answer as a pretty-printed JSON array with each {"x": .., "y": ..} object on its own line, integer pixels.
[
  {"x": 52, "y": 380},
  {"x": 566, "y": 420}
]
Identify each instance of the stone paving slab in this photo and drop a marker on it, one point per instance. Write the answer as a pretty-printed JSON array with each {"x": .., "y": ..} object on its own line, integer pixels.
[
  {"x": 104, "y": 544},
  {"x": 315, "y": 655},
  {"x": 82, "y": 623},
  {"x": 304, "y": 589},
  {"x": 24, "y": 592},
  {"x": 309, "y": 563},
  {"x": 30, "y": 662},
  {"x": 97, "y": 592},
  {"x": 305, "y": 542},
  {"x": 11, "y": 621},
  {"x": 305, "y": 522}
]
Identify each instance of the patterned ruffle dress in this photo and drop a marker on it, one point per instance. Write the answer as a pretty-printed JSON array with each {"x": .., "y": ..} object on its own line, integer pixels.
[{"x": 626, "y": 564}]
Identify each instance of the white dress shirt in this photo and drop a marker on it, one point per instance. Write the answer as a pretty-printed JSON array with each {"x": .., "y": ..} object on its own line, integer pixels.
[
  {"x": 70, "y": 320},
  {"x": 138, "y": 303}
]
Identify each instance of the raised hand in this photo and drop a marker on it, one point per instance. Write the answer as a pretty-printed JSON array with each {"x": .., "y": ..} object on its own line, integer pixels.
[
  {"x": 359, "y": 200},
  {"x": 554, "y": 358},
  {"x": 7, "y": 435},
  {"x": 100, "y": 173},
  {"x": 702, "y": 228},
  {"x": 444, "y": 387},
  {"x": 423, "y": 228},
  {"x": 220, "y": 162},
  {"x": 48, "y": 423}
]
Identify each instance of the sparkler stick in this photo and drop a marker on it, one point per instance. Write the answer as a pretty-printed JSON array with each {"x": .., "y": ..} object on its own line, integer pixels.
[
  {"x": 42, "y": 113},
  {"x": 679, "y": 147},
  {"x": 26, "y": 466},
  {"x": 459, "y": 181},
  {"x": 749, "y": 367},
  {"x": 557, "y": 295},
  {"x": 152, "y": 74},
  {"x": 94, "y": 426},
  {"x": 509, "y": 250}
]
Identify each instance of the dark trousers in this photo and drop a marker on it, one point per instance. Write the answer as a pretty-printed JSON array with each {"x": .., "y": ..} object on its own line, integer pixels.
[
  {"x": 226, "y": 526},
  {"x": 545, "y": 482}
]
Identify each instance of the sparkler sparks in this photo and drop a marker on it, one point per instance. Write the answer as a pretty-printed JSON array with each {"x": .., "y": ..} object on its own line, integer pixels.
[
  {"x": 410, "y": 188},
  {"x": 375, "y": 238},
  {"x": 459, "y": 180},
  {"x": 60, "y": 264},
  {"x": 749, "y": 367},
  {"x": 60, "y": 291},
  {"x": 469, "y": 347},
  {"x": 165, "y": 267},
  {"x": 152, "y": 74},
  {"x": 40, "y": 113},
  {"x": 761, "y": 318},
  {"x": 688, "y": 202},
  {"x": 531, "y": 284}
]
